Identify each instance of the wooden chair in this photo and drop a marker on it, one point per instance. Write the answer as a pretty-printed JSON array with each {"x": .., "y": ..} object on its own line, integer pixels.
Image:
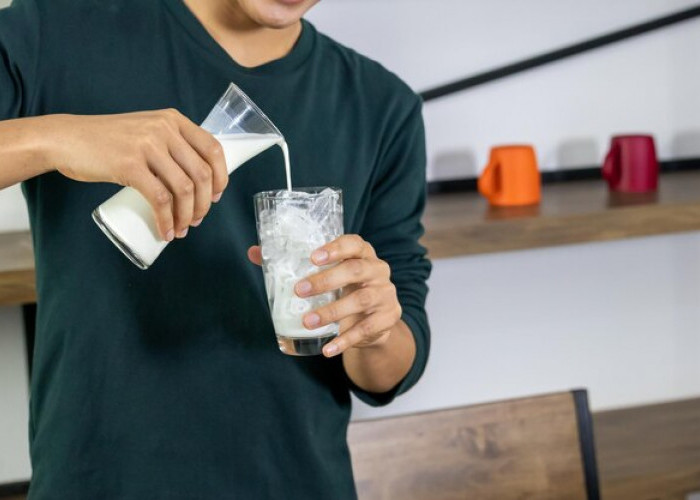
[{"x": 537, "y": 448}]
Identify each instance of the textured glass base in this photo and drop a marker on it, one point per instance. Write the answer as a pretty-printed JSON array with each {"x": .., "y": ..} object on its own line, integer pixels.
[
  {"x": 123, "y": 247},
  {"x": 306, "y": 346}
]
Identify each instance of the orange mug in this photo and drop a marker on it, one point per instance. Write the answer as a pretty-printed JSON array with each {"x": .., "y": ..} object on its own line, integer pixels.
[{"x": 511, "y": 178}]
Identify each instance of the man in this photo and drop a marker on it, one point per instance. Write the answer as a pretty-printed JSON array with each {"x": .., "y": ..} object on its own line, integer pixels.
[{"x": 167, "y": 383}]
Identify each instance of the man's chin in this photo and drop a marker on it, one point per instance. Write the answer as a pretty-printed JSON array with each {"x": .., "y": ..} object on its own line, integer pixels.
[
  {"x": 280, "y": 14},
  {"x": 278, "y": 23},
  {"x": 291, "y": 2}
]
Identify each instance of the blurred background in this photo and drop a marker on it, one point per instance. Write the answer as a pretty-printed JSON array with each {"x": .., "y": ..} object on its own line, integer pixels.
[{"x": 620, "y": 317}]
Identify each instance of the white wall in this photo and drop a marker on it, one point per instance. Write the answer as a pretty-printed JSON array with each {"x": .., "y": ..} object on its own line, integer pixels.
[
  {"x": 621, "y": 319},
  {"x": 568, "y": 109},
  {"x": 14, "y": 404}
]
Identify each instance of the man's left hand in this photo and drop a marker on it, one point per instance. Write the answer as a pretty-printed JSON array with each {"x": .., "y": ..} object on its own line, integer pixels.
[{"x": 368, "y": 308}]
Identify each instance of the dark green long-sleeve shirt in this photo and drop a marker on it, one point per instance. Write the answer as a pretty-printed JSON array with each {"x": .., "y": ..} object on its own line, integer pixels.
[{"x": 168, "y": 383}]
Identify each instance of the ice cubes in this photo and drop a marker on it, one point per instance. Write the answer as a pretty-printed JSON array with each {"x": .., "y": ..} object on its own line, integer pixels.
[{"x": 300, "y": 222}]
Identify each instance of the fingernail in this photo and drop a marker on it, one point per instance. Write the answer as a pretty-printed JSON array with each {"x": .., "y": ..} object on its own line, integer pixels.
[
  {"x": 313, "y": 320},
  {"x": 320, "y": 256},
  {"x": 182, "y": 233},
  {"x": 331, "y": 350},
  {"x": 170, "y": 236},
  {"x": 303, "y": 287},
  {"x": 197, "y": 222},
  {"x": 217, "y": 197}
]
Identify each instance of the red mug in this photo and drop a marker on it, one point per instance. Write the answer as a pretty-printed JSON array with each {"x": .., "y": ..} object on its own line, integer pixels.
[{"x": 631, "y": 165}]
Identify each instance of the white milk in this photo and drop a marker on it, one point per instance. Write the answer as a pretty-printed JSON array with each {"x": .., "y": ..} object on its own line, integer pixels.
[
  {"x": 286, "y": 307},
  {"x": 128, "y": 219},
  {"x": 239, "y": 148}
]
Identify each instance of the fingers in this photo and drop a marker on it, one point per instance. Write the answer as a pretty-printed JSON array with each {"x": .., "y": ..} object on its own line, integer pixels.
[
  {"x": 373, "y": 299},
  {"x": 255, "y": 255},
  {"x": 200, "y": 173},
  {"x": 365, "y": 300},
  {"x": 190, "y": 164},
  {"x": 210, "y": 150},
  {"x": 374, "y": 329},
  {"x": 180, "y": 186},
  {"x": 346, "y": 273},
  {"x": 160, "y": 199},
  {"x": 349, "y": 246}
]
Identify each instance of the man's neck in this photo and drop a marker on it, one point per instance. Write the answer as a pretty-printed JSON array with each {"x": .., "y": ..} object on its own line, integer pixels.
[{"x": 248, "y": 43}]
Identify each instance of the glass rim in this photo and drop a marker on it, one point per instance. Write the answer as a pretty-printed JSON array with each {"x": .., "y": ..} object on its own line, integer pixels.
[
  {"x": 233, "y": 87},
  {"x": 273, "y": 194}
]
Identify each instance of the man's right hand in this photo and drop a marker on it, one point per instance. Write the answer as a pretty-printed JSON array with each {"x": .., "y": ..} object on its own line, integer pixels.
[{"x": 176, "y": 165}]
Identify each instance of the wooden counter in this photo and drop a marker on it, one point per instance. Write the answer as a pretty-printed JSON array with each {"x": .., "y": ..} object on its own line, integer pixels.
[
  {"x": 575, "y": 212},
  {"x": 16, "y": 269},
  {"x": 462, "y": 224}
]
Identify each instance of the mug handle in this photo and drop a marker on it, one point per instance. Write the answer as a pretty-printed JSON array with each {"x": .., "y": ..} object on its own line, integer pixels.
[
  {"x": 611, "y": 166},
  {"x": 489, "y": 183}
]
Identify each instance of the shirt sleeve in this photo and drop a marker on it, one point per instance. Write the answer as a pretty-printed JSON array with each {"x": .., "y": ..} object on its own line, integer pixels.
[
  {"x": 19, "y": 57},
  {"x": 393, "y": 227}
]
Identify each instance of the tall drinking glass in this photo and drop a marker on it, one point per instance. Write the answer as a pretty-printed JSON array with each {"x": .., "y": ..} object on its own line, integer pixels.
[
  {"x": 243, "y": 131},
  {"x": 291, "y": 225}
]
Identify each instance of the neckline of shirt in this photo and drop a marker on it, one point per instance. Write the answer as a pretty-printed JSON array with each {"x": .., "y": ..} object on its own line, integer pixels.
[{"x": 295, "y": 58}]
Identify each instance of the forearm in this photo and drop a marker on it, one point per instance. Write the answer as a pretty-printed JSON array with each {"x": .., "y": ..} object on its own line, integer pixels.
[
  {"x": 24, "y": 149},
  {"x": 378, "y": 368}
]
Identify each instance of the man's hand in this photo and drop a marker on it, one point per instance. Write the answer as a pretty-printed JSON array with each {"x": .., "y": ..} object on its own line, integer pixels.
[
  {"x": 176, "y": 165},
  {"x": 368, "y": 309}
]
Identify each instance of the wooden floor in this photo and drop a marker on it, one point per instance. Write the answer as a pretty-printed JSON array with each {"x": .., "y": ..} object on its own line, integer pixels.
[{"x": 645, "y": 453}]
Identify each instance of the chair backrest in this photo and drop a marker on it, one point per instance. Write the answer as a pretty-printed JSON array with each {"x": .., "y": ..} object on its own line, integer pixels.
[{"x": 532, "y": 448}]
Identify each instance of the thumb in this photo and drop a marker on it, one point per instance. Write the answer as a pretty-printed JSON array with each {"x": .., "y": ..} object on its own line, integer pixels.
[{"x": 255, "y": 255}]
